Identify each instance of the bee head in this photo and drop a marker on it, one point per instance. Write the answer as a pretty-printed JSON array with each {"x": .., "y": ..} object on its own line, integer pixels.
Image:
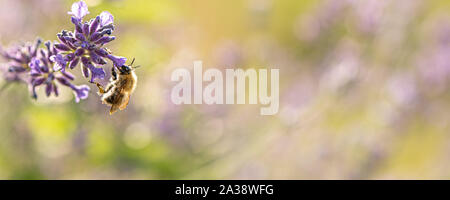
[{"x": 124, "y": 70}]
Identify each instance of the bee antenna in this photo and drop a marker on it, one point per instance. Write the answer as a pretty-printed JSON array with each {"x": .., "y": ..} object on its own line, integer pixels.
[
  {"x": 132, "y": 62},
  {"x": 136, "y": 67}
]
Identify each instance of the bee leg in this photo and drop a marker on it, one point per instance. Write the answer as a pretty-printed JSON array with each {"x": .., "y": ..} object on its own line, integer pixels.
[
  {"x": 109, "y": 87},
  {"x": 101, "y": 90},
  {"x": 113, "y": 73}
]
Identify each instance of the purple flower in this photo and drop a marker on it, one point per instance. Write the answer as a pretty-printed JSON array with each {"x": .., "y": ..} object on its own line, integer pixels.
[
  {"x": 106, "y": 18},
  {"x": 79, "y": 10},
  {"x": 18, "y": 58},
  {"x": 80, "y": 92},
  {"x": 96, "y": 73},
  {"x": 44, "y": 71},
  {"x": 86, "y": 43},
  {"x": 117, "y": 60},
  {"x": 60, "y": 62},
  {"x": 47, "y": 66},
  {"x": 41, "y": 75}
]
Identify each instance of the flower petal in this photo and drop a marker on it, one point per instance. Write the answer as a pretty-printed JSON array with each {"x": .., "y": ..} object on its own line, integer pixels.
[
  {"x": 79, "y": 52},
  {"x": 117, "y": 60},
  {"x": 105, "y": 40},
  {"x": 96, "y": 58},
  {"x": 60, "y": 62},
  {"x": 38, "y": 81},
  {"x": 94, "y": 25},
  {"x": 55, "y": 89},
  {"x": 102, "y": 52},
  {"x": 96, "y": 73},
  {"x": 16, "y": 69},
  {"x": 64, "y": 81},
  {"x": 106, "y": 18},
  {"x": 86, "y": 30},
  {"x": 62, "y": 47},
  {"x": 74, "y": 63},
  {"x": 79, "y": 10},
  {"x": 35, "y": 67},
  {"x": 48, "y": 89},
  {"x": 81, "y": 92},
  {"x": 85, "y": 71},
  {"x": 68, "y": 75}
]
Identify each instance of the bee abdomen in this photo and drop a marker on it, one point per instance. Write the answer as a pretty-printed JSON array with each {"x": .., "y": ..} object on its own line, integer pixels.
[{"x": 114, "y": 97}]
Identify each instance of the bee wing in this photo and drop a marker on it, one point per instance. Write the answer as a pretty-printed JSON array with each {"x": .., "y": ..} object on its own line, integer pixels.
[
  {"x": 113, "y": 109},
  {"x": 125, "y": 101},
  {"x": 116, "y": 105}
]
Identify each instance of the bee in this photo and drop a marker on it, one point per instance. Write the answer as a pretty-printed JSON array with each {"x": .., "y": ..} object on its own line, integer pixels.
[{"x": 118, "y": 91}]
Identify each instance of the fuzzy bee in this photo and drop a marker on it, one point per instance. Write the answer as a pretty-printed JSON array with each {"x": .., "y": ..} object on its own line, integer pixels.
[{"x": 118, "y": 91}]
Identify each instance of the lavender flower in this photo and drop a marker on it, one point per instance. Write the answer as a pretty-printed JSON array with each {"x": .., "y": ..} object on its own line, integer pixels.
[
  {"x": 47, "y": 66},
  {"x": 79, "y": 9},
  {"x": 80, "y": 92},
  {"x": 44, "y": 70},
  {"x": 85, "y": 44},
  {"x": 41, "y": 74},
  {"x": 18, "y": 58}
]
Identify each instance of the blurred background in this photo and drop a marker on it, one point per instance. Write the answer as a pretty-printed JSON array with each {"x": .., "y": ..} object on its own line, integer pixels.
[{"x": 364, "y": 93}]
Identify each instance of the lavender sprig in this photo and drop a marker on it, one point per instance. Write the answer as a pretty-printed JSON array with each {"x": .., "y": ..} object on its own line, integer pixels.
[
  {"x": 18, "y": 57},
  {"x": 47, "y": 66},
  {"x": 86, "y": 43},
  {"x": 43, "y": 71}
]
